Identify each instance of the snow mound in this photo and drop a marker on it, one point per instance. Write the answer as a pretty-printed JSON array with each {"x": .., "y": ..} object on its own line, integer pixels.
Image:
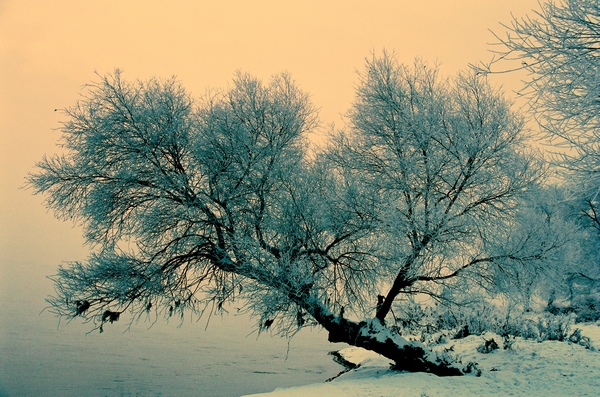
[{"x": 530, "y": 368}]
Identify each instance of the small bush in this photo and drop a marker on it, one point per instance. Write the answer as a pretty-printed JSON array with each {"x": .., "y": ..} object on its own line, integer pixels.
[
  {"x": 581, "y": 340},
  {"x": 553, "y": 327},
  {"x": 411, "y": 317},
  {"x": 587, "y": 309},
  {"x": 443, "y": 318},
  {"x": 481, "y": 320},
  {"x": 508, "y": 342},
  {"x": 438, "y": 323},
  {"x": 558, "y": 310},
  {"x": 463, "y": 332},
  {"x": 525, "y": 328},
  {"x": 471, "y": 368},
  {"x": 488, "y": 346},
  {"x": 438, "y": 338}
]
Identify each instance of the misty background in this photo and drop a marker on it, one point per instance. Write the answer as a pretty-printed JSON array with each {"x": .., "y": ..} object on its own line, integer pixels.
[{"x": 49, "y": 50}]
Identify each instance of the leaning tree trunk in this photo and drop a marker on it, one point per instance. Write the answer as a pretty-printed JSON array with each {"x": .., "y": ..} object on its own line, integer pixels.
[
  {"x": 371, "y": 335},
  {"x": 374, "y": 336}
]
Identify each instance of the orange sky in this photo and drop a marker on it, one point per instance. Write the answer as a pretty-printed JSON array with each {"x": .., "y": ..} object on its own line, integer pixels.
[{"x": 49, "y": 49}]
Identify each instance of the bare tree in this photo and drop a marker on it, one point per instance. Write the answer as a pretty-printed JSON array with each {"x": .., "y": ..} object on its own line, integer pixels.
[
  {"x": 192, "y": 205},
  {"x": 559, "y": 47},
  {"x": 545, "y": 216},
  {"x": 446, "y": 164}
]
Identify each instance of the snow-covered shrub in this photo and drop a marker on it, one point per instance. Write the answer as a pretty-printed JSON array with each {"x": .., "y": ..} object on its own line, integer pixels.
[
  {"x": 581, "y": 340},
  {"x": 447, "y": 355},
  {"x": 508, "y": 342},
  {"x": 462, "y": 332},
  {"x": 462, "y": 320},
  {"x": 553, "y": 327},
  {"x": 437, "y": 338},
  {"x": 444, "y": 318},
  {"x": 558, "y": 310},
  {"x": 516, "y": 324},
  {"x": 587, "y": 309},
  {"x": 411, "y": 316},
  {"x": 438, "y": 323},
  {"x": 488, "y": 346},
  {"x": 525, "y": 328},
  {"x": 481, "y": 320}
]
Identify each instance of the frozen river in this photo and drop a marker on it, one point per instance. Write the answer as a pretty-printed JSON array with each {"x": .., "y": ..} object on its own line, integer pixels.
[{"x": 38, "y": 358}]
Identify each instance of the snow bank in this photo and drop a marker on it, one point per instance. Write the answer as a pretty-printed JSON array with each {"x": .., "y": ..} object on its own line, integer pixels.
[{"x": 530, "y": 369}]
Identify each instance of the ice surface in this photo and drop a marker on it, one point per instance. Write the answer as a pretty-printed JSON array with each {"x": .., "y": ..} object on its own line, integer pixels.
[{"x": 37, "y": 358}]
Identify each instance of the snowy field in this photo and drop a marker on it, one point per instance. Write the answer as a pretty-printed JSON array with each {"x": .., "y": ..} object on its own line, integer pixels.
[{"x": 546, "y": 369}]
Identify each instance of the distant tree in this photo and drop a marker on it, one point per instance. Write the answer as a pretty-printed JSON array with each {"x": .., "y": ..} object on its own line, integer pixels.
[
  {"x": 192, "y": 205},
  {"x": 558, "y": 47},
  {"x": 547, "y": 215}
]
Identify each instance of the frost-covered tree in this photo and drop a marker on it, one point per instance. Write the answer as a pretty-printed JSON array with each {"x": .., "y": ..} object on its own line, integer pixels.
[
  {"x": 559, "y": 47},
  {"x": 194, "y": 205},
  {"x": 444, "y": 167},
  {"x": 547, "y": 215}
]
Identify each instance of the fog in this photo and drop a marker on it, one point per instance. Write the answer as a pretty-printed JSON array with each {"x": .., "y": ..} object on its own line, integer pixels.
[
  {"x": 42, "y": 357},
  {"x": 49, "y": 50}
]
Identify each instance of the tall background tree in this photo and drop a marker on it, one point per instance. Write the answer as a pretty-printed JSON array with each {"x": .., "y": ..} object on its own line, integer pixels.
[
  {"x": 194, "y": 205},
  {"x": 559, "y": 48}
]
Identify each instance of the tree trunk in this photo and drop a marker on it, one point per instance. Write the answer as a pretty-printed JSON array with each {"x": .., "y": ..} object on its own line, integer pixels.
[
  {"x": 374, "y": 336},
  {"x": 399, "y": 283}
]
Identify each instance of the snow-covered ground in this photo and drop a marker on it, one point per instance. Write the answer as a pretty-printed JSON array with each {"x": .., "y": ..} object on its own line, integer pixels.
[{"x": 546, "y": 369}]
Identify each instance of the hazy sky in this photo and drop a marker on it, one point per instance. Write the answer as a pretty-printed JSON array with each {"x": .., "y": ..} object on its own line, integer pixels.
[{"x": 49, "y": 49}]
